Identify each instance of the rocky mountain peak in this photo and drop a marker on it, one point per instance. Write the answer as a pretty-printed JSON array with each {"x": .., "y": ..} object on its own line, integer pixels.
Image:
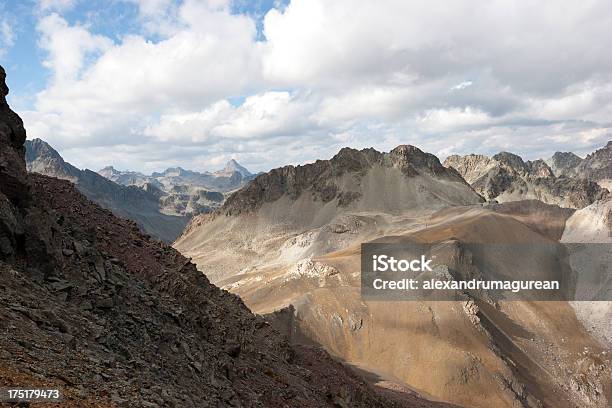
[
  {"x": 605, "y": 151},
  {"x": 566, "y": 157},
  {"x": 41, "y": 158},
  {"x": 406, "y": 150},
  {"x": 352, "y": 160},
  {"x": 176, "y": 171},
  {"x": 511, "y": 160},
  {"x": 323, "y": 179},
  {"x": 539, "y": 168},
  {"x": 471, "y": 166},
  {"x": 564, "y": 163},
  {"x": 38, "y": 148},
  {"x": 413, "y": 161},
  {"x": 108, "y": 170},
  {"x": 232, "y": 166}
]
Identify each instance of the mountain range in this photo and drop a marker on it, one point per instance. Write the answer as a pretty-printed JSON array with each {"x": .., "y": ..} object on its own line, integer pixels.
[
  {"x": 231, "y": 177},
  {"x": 506, "y": 177},
  {"x": 161, "y": 204}
]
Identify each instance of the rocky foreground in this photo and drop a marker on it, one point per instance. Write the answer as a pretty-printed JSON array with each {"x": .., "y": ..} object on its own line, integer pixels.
[{"x": 114, "y": 318}]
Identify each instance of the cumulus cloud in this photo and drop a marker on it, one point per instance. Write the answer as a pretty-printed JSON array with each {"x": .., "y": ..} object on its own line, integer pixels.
[
  {"x": 198, "y": 85},
  {"x": 67, "y": 46}
]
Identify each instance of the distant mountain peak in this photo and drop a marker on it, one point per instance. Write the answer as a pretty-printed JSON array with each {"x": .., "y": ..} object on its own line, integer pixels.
[
  {"x": 232, "y": 166},
  {"x": 561, "y": 155},
  {"x": 108, "y": 171},
  {"x": 176, "y": 172}
]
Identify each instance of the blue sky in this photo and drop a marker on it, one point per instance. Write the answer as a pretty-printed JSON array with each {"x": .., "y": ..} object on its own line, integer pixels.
[{"x": 150, "y": 84}]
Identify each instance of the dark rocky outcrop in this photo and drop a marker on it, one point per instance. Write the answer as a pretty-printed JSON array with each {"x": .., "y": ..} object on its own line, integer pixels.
[
  {"x": 14, "y": 190},
  {"x": 12, "y": 136},
  {"x": 91, "y": 305}
]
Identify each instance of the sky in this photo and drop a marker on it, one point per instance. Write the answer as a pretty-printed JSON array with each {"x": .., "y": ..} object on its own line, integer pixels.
[{"x": 150, "y": 84}]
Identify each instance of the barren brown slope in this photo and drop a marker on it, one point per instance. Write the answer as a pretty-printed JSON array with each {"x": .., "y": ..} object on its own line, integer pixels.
[
  {"x": 590, "y": 229},
  {"x": 518, "y": 353}
]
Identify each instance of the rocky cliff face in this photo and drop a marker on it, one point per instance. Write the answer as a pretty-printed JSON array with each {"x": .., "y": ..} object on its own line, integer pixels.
[
  {"x": 14, "y": 189},
  {"x": 506, "y": 177},
  {"x": 592, "y": 228},
  {"x": 90, "y": 305},
  {"x": 12, "y": 136}
]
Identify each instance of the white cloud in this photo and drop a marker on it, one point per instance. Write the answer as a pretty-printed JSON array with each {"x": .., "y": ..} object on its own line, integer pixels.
[
  {"x": 445, "y": 120},
  {"x": 546, "y": 45},
  {"x": 260, "y": 117},
  {"x": 327, "y": 74},
  {"x": 67, "y": 46}
]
